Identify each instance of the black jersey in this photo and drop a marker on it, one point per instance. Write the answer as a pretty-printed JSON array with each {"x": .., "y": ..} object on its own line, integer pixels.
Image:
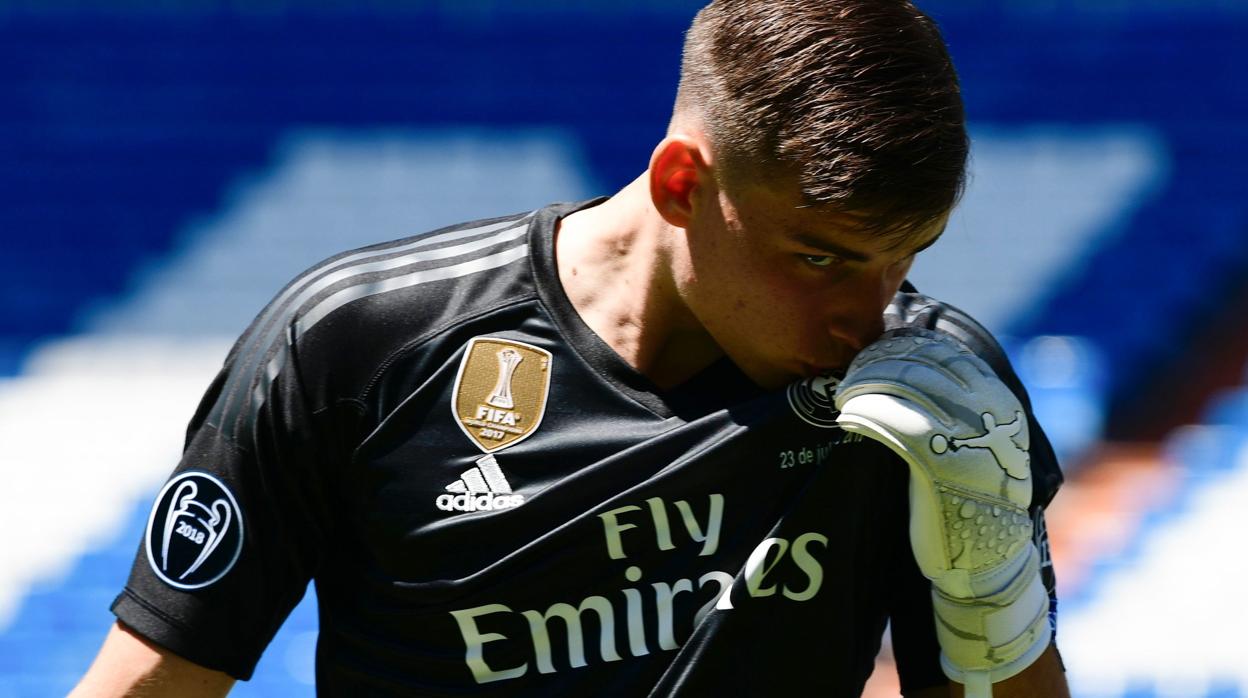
[{"x": 491, "y": 502}]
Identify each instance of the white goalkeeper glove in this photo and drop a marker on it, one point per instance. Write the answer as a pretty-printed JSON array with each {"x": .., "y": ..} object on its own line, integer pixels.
[{"x": 964, "y": 435}]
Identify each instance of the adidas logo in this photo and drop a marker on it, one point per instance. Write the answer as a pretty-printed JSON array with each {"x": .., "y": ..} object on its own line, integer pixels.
[{"x": 482, "y": 487}]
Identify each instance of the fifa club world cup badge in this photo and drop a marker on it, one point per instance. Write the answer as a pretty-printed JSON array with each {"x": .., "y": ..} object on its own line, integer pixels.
[
  {"x": 500, "y": 397},
  {"x": 500, "y": 392},
  {"x": 195, "y": 532}
]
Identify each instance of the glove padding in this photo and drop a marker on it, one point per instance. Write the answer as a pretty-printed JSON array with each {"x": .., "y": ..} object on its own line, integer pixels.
[{"x": 964, "y": 435}]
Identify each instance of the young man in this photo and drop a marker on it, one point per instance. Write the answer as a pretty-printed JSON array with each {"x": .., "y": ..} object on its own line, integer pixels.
[{"x": 596, "y": 449}]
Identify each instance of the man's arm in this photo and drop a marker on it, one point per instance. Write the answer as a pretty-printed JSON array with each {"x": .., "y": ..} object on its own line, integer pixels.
[{"x": 129, "y": 665}]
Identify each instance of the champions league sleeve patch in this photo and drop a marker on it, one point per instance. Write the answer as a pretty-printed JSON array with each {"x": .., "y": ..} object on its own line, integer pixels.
[{"x": 195, "y": 532}]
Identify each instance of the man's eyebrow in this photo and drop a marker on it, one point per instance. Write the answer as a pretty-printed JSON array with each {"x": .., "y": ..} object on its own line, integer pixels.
[
  {"x": 833, "y": 248},
  {"x": 830, "y": 247}
]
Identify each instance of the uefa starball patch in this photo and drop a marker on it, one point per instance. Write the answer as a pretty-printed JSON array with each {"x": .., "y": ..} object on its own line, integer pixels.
[{"x": 195, "y": 532}]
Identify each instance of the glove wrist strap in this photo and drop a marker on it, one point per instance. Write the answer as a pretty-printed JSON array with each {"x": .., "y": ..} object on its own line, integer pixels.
[{"x": 996, "y": 636}]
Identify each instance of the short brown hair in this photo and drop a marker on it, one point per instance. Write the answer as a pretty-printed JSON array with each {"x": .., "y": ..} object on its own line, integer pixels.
[{"x": 858, "y": 98}]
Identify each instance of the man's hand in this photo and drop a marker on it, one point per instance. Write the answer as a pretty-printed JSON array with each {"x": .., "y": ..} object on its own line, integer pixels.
[{"x": 965, "y": 437}]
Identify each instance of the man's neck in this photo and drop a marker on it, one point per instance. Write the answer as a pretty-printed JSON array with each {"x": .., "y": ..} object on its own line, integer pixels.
[{"x": 614, "y": 263}]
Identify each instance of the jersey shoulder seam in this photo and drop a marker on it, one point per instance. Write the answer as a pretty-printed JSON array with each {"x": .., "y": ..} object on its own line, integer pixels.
[{"x": 415, "y": 343}]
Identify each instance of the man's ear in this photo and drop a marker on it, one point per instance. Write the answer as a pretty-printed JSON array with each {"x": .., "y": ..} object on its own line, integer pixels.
[{"x": 678, "y": 169}]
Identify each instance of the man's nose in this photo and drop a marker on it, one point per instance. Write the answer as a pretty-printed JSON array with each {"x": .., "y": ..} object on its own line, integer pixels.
[
  {"x": 860, "y": 317},
  {"x": 858, "y": 329}
]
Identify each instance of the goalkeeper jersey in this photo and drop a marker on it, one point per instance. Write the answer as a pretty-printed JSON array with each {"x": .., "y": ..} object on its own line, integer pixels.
[{"x": 491, "y": 502}]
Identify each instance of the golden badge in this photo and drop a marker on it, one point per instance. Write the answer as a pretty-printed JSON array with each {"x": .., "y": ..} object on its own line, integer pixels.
[{"x": 500, "y": 392}]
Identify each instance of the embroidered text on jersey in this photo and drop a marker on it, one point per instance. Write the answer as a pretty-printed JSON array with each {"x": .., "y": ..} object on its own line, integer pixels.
[
  {"x": 482, "y": 487},
  {"x": 500, "y": 391},
  {"x": 788, "y": 568}
]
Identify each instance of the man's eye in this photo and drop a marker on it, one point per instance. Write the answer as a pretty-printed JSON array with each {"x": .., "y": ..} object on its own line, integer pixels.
[{"x": 818, "y": 260}]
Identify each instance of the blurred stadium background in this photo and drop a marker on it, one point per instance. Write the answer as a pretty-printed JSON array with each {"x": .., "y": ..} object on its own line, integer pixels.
[{"x": 166, "y": 165}]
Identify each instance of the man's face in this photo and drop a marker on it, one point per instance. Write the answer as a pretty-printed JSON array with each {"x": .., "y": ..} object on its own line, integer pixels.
[{"x": 787, "y": 291}]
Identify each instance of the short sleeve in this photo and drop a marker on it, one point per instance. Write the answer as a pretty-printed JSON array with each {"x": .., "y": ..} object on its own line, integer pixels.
[{"x": 238, "y": 530}]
